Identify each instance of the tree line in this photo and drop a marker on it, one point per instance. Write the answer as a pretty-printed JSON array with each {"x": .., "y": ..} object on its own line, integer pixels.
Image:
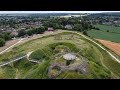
[
  {"x": 30, "y": 32},
  {"x": 4, "y": 37}
]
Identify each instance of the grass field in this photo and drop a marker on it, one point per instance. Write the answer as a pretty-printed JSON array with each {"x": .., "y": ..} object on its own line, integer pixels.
[
  {"x": 113, "y": 34},
  {"x": 99, "y": 34},
  {"x": 24, "y": 69},
  {"x": 110, "y": 28}
]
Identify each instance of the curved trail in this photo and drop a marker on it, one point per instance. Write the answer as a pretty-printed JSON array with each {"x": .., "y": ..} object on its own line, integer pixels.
[
  {"x": 13, "y": 61},
  {"x": 10, "y": 47},
  {"x": 116, "y": 59},
  {"x": 27, "y": 55}
]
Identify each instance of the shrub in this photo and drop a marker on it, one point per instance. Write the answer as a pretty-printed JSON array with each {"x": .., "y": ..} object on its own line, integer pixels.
[
  {"x": 2, "y": 42},
  {"x": 107, "y": 30},
  {"x": 85, "y": 33}
]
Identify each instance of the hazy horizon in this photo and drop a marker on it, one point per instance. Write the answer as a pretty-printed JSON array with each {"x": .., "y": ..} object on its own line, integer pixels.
[{"x": 25, "y": 12}]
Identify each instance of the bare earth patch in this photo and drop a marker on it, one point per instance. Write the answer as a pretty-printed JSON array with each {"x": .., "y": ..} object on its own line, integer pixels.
[
  {"x": 8, "y": 44},
  {"x": 111, "y": 45}
]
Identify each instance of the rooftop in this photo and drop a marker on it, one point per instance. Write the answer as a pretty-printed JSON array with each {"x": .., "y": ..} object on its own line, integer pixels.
[{"x": 69, "y": 56}]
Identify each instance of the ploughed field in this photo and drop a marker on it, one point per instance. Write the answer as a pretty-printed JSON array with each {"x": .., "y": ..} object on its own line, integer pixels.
[
  {"x": 111, "y": 45},
  {"x": 83, "y": 59}
]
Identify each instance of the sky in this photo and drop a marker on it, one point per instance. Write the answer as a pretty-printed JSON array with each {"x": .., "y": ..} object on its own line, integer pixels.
[{"x": 8, "y": 12}]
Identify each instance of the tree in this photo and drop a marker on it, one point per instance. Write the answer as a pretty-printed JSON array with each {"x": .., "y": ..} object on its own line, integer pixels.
[
  {"x": 107, "y": 30},
  {"x": 2, "y": 42},
  {"x": 90, "y": 27},
  {"x": 7, "y": 36},
  {"x": 78, "y": 27},
  {"x": 30, "y": 32},
  {"x": 39, "y": 30},
  {"x": 21, "y": 33},
  {"x": 85, "y": 33},
  {"x": 97, "y": 28}
]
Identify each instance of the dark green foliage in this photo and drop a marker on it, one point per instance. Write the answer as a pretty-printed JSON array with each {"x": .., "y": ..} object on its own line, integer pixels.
[
  {"x": 38, "y": 55},
  {"x": 6, "y": 36},
  {"x": 78, "y": 27},
  {"x": 2, "y": 42},
  {"x": 85, "y": 33},
  {"x": 21, "y": 33},
  {"x": 39, "y": 30}
]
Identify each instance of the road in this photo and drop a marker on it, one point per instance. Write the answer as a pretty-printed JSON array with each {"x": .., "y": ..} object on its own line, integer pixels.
[{"x": 10, "y": 47}]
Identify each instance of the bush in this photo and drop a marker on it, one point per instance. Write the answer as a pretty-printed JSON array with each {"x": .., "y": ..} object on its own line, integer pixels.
[
  {"x": 2, "y": 42},
  {"x": 107, "y": 30},
  {"x": 97, "y": 28},
  {"x": 21, "y": 33},
  {"x": 85, "y": 33}
]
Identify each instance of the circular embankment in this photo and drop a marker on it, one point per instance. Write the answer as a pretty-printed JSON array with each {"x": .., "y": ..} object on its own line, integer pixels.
[{"x": 55, "y": 62}]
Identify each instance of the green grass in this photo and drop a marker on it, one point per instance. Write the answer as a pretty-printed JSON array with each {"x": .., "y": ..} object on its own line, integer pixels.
[
  {"x": 38, "y": 72},
  {"x": 38, "y": 55},
  {"x": 104, "y": 35},
  {"x": 112, "y": 35},
  {"x": 110, "y": 28},
  {"x": 28, "y": 70}
]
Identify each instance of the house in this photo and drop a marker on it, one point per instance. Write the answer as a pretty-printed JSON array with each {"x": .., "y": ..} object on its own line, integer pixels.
[
  {"x": 50, "y": 29},
  {"x": 14, "y": 33},
  {"x": 68, "y": 26}
]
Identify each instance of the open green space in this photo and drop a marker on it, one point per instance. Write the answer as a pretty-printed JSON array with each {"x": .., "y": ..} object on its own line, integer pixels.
[
  {"x": 99, "y": 34},
  {"x": 49, "y": 51},
  {"x": 108, "y": 27}
]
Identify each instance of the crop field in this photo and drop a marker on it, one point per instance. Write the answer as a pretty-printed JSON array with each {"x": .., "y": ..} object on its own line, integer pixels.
[
  {"x": 99, "y": 34},
  {"x": 110, "y": 28}
]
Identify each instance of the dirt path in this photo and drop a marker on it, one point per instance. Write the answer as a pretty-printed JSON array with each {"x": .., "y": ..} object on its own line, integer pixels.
[
  {"x": 8, "y": 44},
  {"x": 7, "y": 48},
  {"x": 111, "y": 45},
  {"x": 116, "y": 59},
  {"x": 12, "y": 43}
]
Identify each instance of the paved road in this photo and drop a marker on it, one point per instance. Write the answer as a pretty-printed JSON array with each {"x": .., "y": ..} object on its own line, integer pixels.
[{"x": 10, "y": 47}]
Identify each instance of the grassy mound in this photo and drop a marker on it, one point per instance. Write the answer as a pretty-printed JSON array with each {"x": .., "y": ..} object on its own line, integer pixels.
[{"x": 50, "y": 52}]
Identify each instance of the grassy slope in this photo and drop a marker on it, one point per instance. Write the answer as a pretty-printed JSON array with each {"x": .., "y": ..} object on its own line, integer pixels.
[{"x": 35, "y": 44}]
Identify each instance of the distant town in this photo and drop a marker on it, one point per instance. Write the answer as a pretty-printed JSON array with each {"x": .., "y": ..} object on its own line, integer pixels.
[{"x": 23, "y": 25}]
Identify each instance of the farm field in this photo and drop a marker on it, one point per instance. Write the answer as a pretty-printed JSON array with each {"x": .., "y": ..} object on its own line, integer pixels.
[
  {"x": 99, "y": 34},
  {"x": 111, "y": 45},
  {"x": 110, "y": 28},
  {"x": 48, "y": 50}
]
